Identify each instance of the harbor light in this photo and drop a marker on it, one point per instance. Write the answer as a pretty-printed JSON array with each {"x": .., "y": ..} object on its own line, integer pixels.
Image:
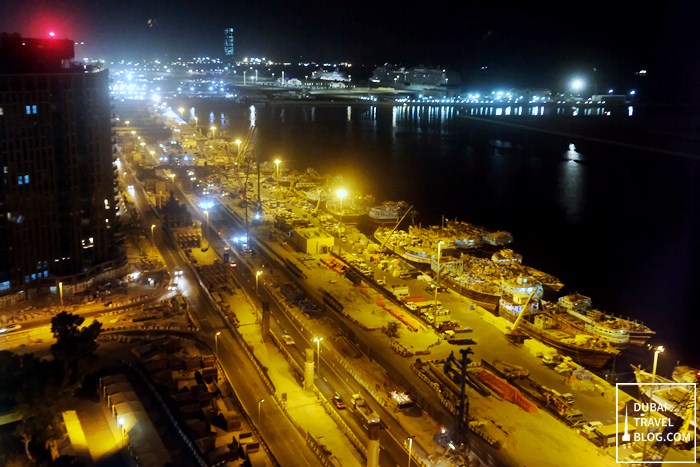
[{"x": 657, "y": 350}]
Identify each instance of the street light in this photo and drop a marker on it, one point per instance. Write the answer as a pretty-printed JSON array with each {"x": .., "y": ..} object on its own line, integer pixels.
[
  {"x": 213, "y": 131},
  {"x": 341, "y": 193},
  {"x": 259, "y": 402},
  {"x": 238, "y": 148},
  {"x": 410, "y": 448},
  {"x": 659, "y": 349},
  {"x": 196, "y": 128},
  {"x": 172, "y": 179},
  {"x": 437, "y": 282},
  {"x": 318, "y": 353},
  {"x": 60, "y": 291},
  {"x": 120, "y": 422},
  {"x": 153, "y": 226},
  {"x": 257, "y": 277},
  {"x": 277, "y": 172},
  {"x": 182, "y": 111},
  {"x": 206, "y": 214},
  {"x": 216, "y": 343}
]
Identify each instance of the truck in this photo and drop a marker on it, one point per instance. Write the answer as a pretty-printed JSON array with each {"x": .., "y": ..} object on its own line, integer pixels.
[{"x": 364, "y": 412}]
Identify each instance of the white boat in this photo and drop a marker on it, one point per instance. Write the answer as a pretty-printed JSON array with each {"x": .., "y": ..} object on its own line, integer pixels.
[
  {"x": 388, "y": 211},
  {"x": 619, "y": 330}
]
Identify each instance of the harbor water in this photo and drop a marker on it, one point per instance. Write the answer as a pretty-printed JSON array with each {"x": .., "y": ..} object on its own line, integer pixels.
[{"x": 617, "y": 222}]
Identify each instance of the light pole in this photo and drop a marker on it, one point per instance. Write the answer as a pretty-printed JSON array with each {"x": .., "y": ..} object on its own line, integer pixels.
[
  {"x": 153, "y": 226},
  {"x": 277, "y": 174},
  {"x": 120, "y": 422},
  {"x": 216, "y": 343},
  {"x": 196, "y": 127},
  {"x": 60, "y": 292},
  {"x": 172, "y": 179},
  {"x": 238, "y": 148},
  {"x": 213, "y": 132},
  {"x": 259, "y": 402},
  {"x": 659, "y": 349},
  {"x": 410, "y": 448},
  {"x": 341, "y": 193},
  {"x": 257, "y": 279},
  {"x": 318, "y": 340},
  {"x": 437, "y": 282}
]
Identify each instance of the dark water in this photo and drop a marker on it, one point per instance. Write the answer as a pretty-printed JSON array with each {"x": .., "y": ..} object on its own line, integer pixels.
[{"x": 618, "y": 223}]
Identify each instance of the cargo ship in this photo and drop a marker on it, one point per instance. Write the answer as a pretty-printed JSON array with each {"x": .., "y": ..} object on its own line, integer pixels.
[
  {"x": 677, "y": 402},
  {"x": 388, "y": 212},
  {"x": 620, "y": 331},
  {"x": 583, "y": 348}
]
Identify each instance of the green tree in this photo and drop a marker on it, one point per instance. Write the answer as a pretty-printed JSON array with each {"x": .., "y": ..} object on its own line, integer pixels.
[{"x": 75, "y": 347}]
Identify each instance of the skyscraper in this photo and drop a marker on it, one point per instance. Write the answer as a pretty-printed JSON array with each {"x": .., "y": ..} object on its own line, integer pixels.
[
  {"x": 228, "y": 45},
  {"x": 58, "y": 211}
]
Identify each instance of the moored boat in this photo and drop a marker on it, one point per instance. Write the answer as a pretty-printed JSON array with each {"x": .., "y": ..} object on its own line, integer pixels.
[
  {"x": 388, "y": 211},
  {"x": 676, "y": 402},
  {"x": 625, "y": 331},
  {"x": 584, "y": 348}
]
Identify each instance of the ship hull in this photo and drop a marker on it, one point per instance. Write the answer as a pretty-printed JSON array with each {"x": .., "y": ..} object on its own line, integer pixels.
[
  {"x": 485, "y": 300},
  {"x": 586, "y": 356}
]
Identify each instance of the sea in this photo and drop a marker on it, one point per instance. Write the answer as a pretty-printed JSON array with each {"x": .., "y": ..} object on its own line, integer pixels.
[{"x": 611, "y": 209}]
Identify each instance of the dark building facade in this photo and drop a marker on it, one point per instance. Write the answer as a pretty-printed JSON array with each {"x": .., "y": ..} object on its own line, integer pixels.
[{"x": 59, "y": 217}]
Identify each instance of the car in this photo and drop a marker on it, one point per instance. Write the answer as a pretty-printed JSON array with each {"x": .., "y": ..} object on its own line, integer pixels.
[
  {"x": 10, "y": 328},
  {"x": 381, "y": 282},
  {"x": 178, "y": 272},
  {"x": 288, "y": 339},
  {"x": 338, "y": 402}
]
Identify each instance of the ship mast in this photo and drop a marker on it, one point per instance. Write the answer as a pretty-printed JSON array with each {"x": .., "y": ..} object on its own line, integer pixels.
[{"x": 381, "y": 247}]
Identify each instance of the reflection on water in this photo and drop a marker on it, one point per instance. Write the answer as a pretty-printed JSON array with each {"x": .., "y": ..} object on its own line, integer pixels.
[
  {"x": 610, "y": 221},
  {"x": 571, "y": 186}
]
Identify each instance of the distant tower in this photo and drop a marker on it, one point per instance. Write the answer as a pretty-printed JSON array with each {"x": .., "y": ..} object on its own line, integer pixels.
[{"x": 228, "y": 45}]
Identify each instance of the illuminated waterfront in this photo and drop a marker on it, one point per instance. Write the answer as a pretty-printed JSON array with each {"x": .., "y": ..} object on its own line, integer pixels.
[{"x": 615, "y": 223}]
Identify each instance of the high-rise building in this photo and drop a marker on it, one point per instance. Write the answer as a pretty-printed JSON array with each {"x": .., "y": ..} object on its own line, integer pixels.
[
  {"x": 59, "y": 219},
  {"x": 228, "y": 45}
]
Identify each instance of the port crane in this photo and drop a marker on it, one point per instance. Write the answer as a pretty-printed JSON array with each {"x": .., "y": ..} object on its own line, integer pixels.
[
  {"x": 381, "y": 247},
  {"x": 514, "y": 334}
]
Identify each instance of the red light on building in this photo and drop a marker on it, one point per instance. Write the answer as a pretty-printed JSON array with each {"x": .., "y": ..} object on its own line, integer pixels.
[{"x": 52, "y": 34}]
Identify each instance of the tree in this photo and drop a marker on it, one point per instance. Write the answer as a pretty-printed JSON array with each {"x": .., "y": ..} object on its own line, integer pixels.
[{"x": 75, "y": 347}]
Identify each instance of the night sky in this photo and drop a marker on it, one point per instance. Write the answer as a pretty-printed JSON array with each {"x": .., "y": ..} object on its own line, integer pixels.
[{"x": 519, "y": 39}]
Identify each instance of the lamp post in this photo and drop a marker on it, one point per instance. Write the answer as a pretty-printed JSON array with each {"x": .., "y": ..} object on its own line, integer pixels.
[
  {"x": 257, "y": 279},
  {"x": 213, "y": 132},
  {"x": 216, "y": 343},
  {"x": 341, "y": 193},
  {"x": 238, "y": 148},
  {"x": 437, "y": 282},
  {"x": 120, "y": 422},
  {"x": 410, "y": 448},
  {"x": 60, "y": 292},
  {"x": 259, "y": 402},
  {"x": 153, "y": 226},
  {"x": 196, "y": 128},
  {"x": 277, "y": 174},
  {"x": 172, "y": 179},
  {"x": 318, "y": 340},
  {"x": 659, "y": 349}
]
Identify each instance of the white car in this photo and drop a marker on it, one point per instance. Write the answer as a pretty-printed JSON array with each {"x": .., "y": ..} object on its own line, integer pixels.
[
  {"x": 381, "y": 282},
  {"x": 178, "y": 272},
  {"x": 288, "y": 339},
  {"x": 10, "y": 328}
]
